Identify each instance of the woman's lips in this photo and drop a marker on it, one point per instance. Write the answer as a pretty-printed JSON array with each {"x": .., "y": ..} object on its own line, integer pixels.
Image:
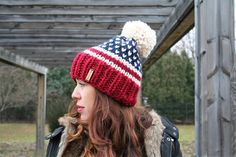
[{"x": 80, "y": 109}]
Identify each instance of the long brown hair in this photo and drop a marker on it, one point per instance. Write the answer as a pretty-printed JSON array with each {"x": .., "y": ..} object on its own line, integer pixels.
[{"x": 113, "y": 129}]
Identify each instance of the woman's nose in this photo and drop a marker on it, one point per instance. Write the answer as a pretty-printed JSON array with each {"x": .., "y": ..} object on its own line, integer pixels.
[{"x": 76, "y": 94}]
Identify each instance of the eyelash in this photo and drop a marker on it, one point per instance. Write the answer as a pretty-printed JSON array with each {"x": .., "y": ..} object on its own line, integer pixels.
[{"x": 81, "y": 84}]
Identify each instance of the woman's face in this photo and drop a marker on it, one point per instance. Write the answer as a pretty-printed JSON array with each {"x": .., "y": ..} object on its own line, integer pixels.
[{"x": 84, "y": 94}]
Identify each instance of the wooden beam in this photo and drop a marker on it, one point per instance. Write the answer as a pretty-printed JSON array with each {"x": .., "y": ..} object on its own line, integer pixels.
[
  {"x": 41, "y": 114},
  {"x": 46, "y": 54},
  {"x": 46, "y": 40},
  {"x": 51, "y": 58},
  {"x": 178, "y": 24},
  {"x": 43, "y": 50},
  {"x": 90, "y": 3},
  {"x": 56, "y": 63},
  {"x": 233, "y": 109},
  {"x": 85, "y": 11},
  {"x": 55, "y": 37},
  {"x": 65, "y": 26},
  {"x": 55, "y": 44},
  {"x": 215, "y": 54},
  {"x": 21, "y": 62},
  {"x": 39, "y": 49},
  {"x": 69, "y": 26},
  {"x": 79, "y": 19},
  {"x": 50, "y": 63},
  {"x": 64, "y": 31}
]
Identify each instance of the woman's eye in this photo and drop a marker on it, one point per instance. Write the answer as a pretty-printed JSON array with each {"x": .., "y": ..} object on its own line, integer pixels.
[{"x": 81, "y": 84}]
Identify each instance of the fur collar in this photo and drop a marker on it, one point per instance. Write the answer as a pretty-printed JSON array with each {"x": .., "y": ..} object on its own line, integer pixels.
[
  {"x": 69, "y": 129},
  {"x": 152, "y": 135}
]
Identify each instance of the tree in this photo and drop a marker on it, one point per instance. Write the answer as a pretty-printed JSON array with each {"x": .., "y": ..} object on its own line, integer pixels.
[
  {"x": 59, "y": 89},
  {"x": 169, "y": 85},
  {"x": 18, "y": 87}
]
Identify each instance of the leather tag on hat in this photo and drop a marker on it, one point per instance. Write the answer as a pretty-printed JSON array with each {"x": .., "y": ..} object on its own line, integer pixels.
[{"x": 89, "y": 75}]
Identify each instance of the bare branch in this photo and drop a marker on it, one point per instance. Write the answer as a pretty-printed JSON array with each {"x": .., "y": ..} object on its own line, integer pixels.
[{"x": 18, "y": 87}]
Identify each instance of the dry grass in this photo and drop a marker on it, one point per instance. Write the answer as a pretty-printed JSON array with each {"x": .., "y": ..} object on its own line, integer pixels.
[
  {"x": 187, "y": 139},
  {"x": 18, "y": 139},
  {"x": 17, "y": 132}
]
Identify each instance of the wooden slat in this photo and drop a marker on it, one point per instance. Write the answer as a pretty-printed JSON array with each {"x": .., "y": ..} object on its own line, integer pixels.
[
  {"x": 55, "y": 63},
  {"x": 69, "y": 26},
  {"x": 46, "y": 54},
  {"x": 19, "y": 61},
  {"x": 53, "y": 44},
  {"x": 60, "y": 31},
  {"x": 85, "y": 11},
  {"x": 40, "y": 55},
  {"x": 43, "y": 48},
  {"x": 65, "y": 26},
  {"x": 172, "y": 31},
  {"x": 31, "y": 50},
  {"x": 46, "y": 40},
  {"x": 32, "y": 65},
  {"x": 90, "y": 2},
  {"x": 52, "y": 59},
  {"x": 53, "y": 36},
  {"x": 79, "y": 19}
]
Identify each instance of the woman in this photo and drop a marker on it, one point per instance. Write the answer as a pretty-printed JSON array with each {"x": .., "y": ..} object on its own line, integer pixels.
[{"x": 105, "y": 119}]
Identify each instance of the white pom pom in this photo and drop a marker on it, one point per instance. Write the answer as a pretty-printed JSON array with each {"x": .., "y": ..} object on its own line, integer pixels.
[{"x": 142, "y": 34}]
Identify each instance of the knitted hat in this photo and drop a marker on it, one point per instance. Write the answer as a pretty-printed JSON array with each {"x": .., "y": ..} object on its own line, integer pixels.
[{"x": 114, "y": 67}]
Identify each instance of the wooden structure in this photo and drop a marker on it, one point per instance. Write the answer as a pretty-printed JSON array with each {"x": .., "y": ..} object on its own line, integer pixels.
[
  {"x": 214, "y": 110},
  {"x": 16, "y": 60},
  {"x": 50, "y": 32}
]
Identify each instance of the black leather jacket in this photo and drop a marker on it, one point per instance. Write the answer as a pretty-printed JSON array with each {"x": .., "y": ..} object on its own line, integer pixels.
[{"x": 170, "y": 146}]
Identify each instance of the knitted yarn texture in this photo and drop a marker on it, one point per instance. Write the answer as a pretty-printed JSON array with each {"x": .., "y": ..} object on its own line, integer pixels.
[{"x": 114, "y": 67}]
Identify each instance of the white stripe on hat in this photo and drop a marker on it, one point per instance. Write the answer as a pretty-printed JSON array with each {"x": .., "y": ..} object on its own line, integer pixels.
[
  {"x": 113, "y": 65},
  {"x": 127, "y": 64}
]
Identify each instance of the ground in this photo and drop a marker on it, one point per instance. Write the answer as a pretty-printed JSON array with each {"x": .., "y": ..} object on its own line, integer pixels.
[
  {"x": 18, "y": 140},
  {"x": 16, "y": 149}
]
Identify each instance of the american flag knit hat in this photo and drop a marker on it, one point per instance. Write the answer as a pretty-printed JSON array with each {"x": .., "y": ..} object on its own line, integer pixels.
[{"x": 114, "y": 67}]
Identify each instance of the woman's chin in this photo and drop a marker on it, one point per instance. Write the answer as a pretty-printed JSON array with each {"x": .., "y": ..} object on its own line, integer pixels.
[{"x": 83, "y": 117}]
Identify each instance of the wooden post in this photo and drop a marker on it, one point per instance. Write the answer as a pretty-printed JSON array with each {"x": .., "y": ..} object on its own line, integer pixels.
[
  {"x": 233, "y": 111},
  {"x": 41, "y": 112},
  {"x": 214, "y": 61}
]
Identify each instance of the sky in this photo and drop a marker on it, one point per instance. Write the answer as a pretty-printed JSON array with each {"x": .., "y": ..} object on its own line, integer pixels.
[{"x": 188, "y": 41}]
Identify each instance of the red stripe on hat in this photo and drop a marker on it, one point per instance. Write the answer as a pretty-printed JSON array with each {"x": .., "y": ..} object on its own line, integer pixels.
[{"x": 117, "y": 62}]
